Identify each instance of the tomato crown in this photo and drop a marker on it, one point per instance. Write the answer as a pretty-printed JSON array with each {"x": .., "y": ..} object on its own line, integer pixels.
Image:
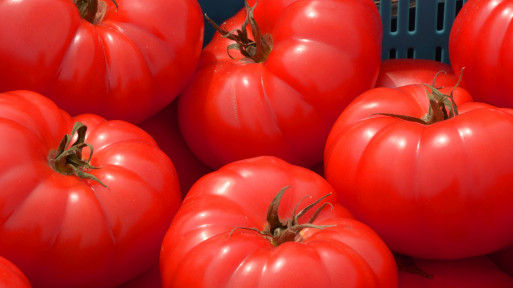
[
  {"x": 253, "y": 50},
  {"x": 441, "y": 106},
  {"x": 278, "y": 232},
  {"x": 67, "y": 159}
]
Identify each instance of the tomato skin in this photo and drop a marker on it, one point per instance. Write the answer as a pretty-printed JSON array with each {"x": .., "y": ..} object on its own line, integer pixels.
[
  {"x": 475, "y": 272},
  {"x": 11, "y": 276},
  {"x": 439, "y": 191},
  {"x": 481, "y": 42},
  {"x": 202, "y": 248},
  {"x": 128, "y": 66},
  {"x": 285, "y": 105},
  {"x": 64, "y": 231},
  {"x": 400, "y": 72}
]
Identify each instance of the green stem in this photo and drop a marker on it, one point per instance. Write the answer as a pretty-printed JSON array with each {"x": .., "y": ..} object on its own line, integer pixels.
[
  {"x": 441, "y": 106},
  {"x": 255, "y": 50},
  {"x": 67, "y": 159},
  {"x": 278, "y": 232}
]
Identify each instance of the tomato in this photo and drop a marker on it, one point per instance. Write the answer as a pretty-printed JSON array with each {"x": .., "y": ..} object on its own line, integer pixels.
[
  {"x": 435, "y": 191},
  {"x": 127, "y": 63},
  {"x": 96, "y": 230},
  {"x": 475, "y": 272},
  {"x": 208, "y": 246},
  {"x": 11, "y": 276},
  {"x": 163, "y": 127},
  {"x": 400, "y": 72},
  {"x": 315, "y": 57},
  {"x": 481, "y": 42}
]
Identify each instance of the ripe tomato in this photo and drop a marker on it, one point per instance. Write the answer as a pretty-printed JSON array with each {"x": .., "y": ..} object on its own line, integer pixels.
[
  {"x": 163, "y": 127},
  {"x": 401, "y": 72},
  {"x": 474, "y": 272},
  {"x": 11, "y": 276},
  {"x": 127, "y": 63},
  {"x": 70, "y": 231},
  {"x": 481, "y": 42},
  {"x": 440, "y": 190},
  {"x": 207, "y": 246},
  {"x": 282, "y": 101}
]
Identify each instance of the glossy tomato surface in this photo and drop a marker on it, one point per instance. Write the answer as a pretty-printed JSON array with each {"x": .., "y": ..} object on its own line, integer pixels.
[
  {"x": 127, "y": 64},
  {"x": 207, "y": 246},
  {"x": 435, "y": 191},
  {"x": 324, "y": 53},
  {"x": 65, "y": 231},
  {"x": 401, "y": 72},
  {"x": 11, "y": 276},
  {"x": 481, "y": 41}
]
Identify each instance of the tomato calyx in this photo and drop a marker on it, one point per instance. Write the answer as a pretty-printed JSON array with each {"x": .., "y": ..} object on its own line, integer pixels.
[
  {"x": 441, "y": 106},
  {"x": 253, "y": 50},
  {"x": 92, "y": 10},
  {"x": 67, "y": 159},
  {"x": 278, "y": 232}
]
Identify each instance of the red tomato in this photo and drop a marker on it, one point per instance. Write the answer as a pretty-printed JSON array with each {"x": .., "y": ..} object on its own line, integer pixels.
[
  {"x": 481, "y": 42},
  {"x": 127, "y": 64},
  {"x": 439, "y": 191},
  {"x": 324, "y": 53},
  {"x": 475, "y": 272},
  {"x": 401, "y": 72},
  {"x": 11, "y": 276},
  {"x": 67, "y": 231},
  {"x": 206, "y": 245},
  {"x": 163, "y": 127},
  {"x": 504, "y": 259}
]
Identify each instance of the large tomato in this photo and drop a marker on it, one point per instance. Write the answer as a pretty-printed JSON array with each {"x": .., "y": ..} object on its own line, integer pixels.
[
  {"x": 125, "y": 62},
  {"x": 208, "y": 246},
  {"x": 11, "y": 276},
  {"x": 481, "y": 41},
  {"x": 439, "y": 190},
  {"x": 96, "y": 230},
  {"x": 311, "y": 58}
]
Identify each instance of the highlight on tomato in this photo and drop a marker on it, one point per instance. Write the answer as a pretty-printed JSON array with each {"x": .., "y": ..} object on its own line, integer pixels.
[
  {"x": 263, "y": 222},
  {"x": 84, "y": 201}
]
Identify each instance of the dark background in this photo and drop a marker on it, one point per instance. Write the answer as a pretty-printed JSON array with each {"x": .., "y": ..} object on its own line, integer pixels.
[{"x": 218, "y": 10}]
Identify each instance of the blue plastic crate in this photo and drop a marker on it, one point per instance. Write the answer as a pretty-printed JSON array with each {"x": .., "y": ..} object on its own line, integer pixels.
[
  {"x": 411, "y": 28},
  {"x": 417, "y": 28}
]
